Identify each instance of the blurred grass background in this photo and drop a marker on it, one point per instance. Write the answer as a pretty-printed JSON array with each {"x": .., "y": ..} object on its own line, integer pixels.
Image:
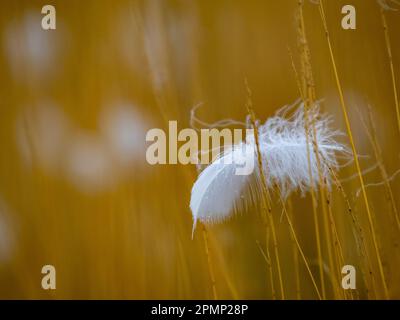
[{"x": 76, "y": 102}]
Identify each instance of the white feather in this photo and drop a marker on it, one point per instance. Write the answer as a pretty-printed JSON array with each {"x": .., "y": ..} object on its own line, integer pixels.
[
  {"x": 283, "y": 147},
  {"x": 217, "y": 188}
]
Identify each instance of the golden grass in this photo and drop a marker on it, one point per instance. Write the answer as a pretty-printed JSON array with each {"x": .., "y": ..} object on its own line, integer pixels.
[
  {"x": 392, "y": 73},
  {"x": 210, "y": 268},
  {"x": 355, "y": 154},
  {"x": 132, "y": 239},
  {"x": 371, "y": 133},
  {"x": 266, "y": 197}
]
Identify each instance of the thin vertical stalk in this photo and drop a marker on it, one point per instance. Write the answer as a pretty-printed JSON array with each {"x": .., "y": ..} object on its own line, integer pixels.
[
  {"x": 267, "y": 258},
  {"x": 353, "y": 147},
  {"x": 309, "y": 98},
  {"x": 268, "y": 218},
  {"x": 338, "y": 248},
  {"x": 378, "y": 156},
  {"x": 390, "y": 57},
  {"x": 295, "y": 257},
  {"x": 302, "y": 86},
  {"x": 222, "y": 265},
  {"x": 358, "y": 232},
  {"x": 210, "y": 269},
  {"x": 293, "y": 232},
  {"x": 302, "y": 254}
]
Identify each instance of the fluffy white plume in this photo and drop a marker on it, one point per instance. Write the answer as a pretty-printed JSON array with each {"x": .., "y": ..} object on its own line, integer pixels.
[{"x": 283, "y": 148}]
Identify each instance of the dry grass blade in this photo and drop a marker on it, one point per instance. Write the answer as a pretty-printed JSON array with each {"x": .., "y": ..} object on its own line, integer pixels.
[
  {"x": 210, "y": 268},
  {"x": 353, "y": 147},
  {"x": 371, "y": 133},
  {"x": 389, "y": 52},
  {"x": 266, "y": 198}
]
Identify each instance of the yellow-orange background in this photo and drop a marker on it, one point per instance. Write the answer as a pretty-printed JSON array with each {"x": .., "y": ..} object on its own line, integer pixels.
[{"x": 128, "y": 233}]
